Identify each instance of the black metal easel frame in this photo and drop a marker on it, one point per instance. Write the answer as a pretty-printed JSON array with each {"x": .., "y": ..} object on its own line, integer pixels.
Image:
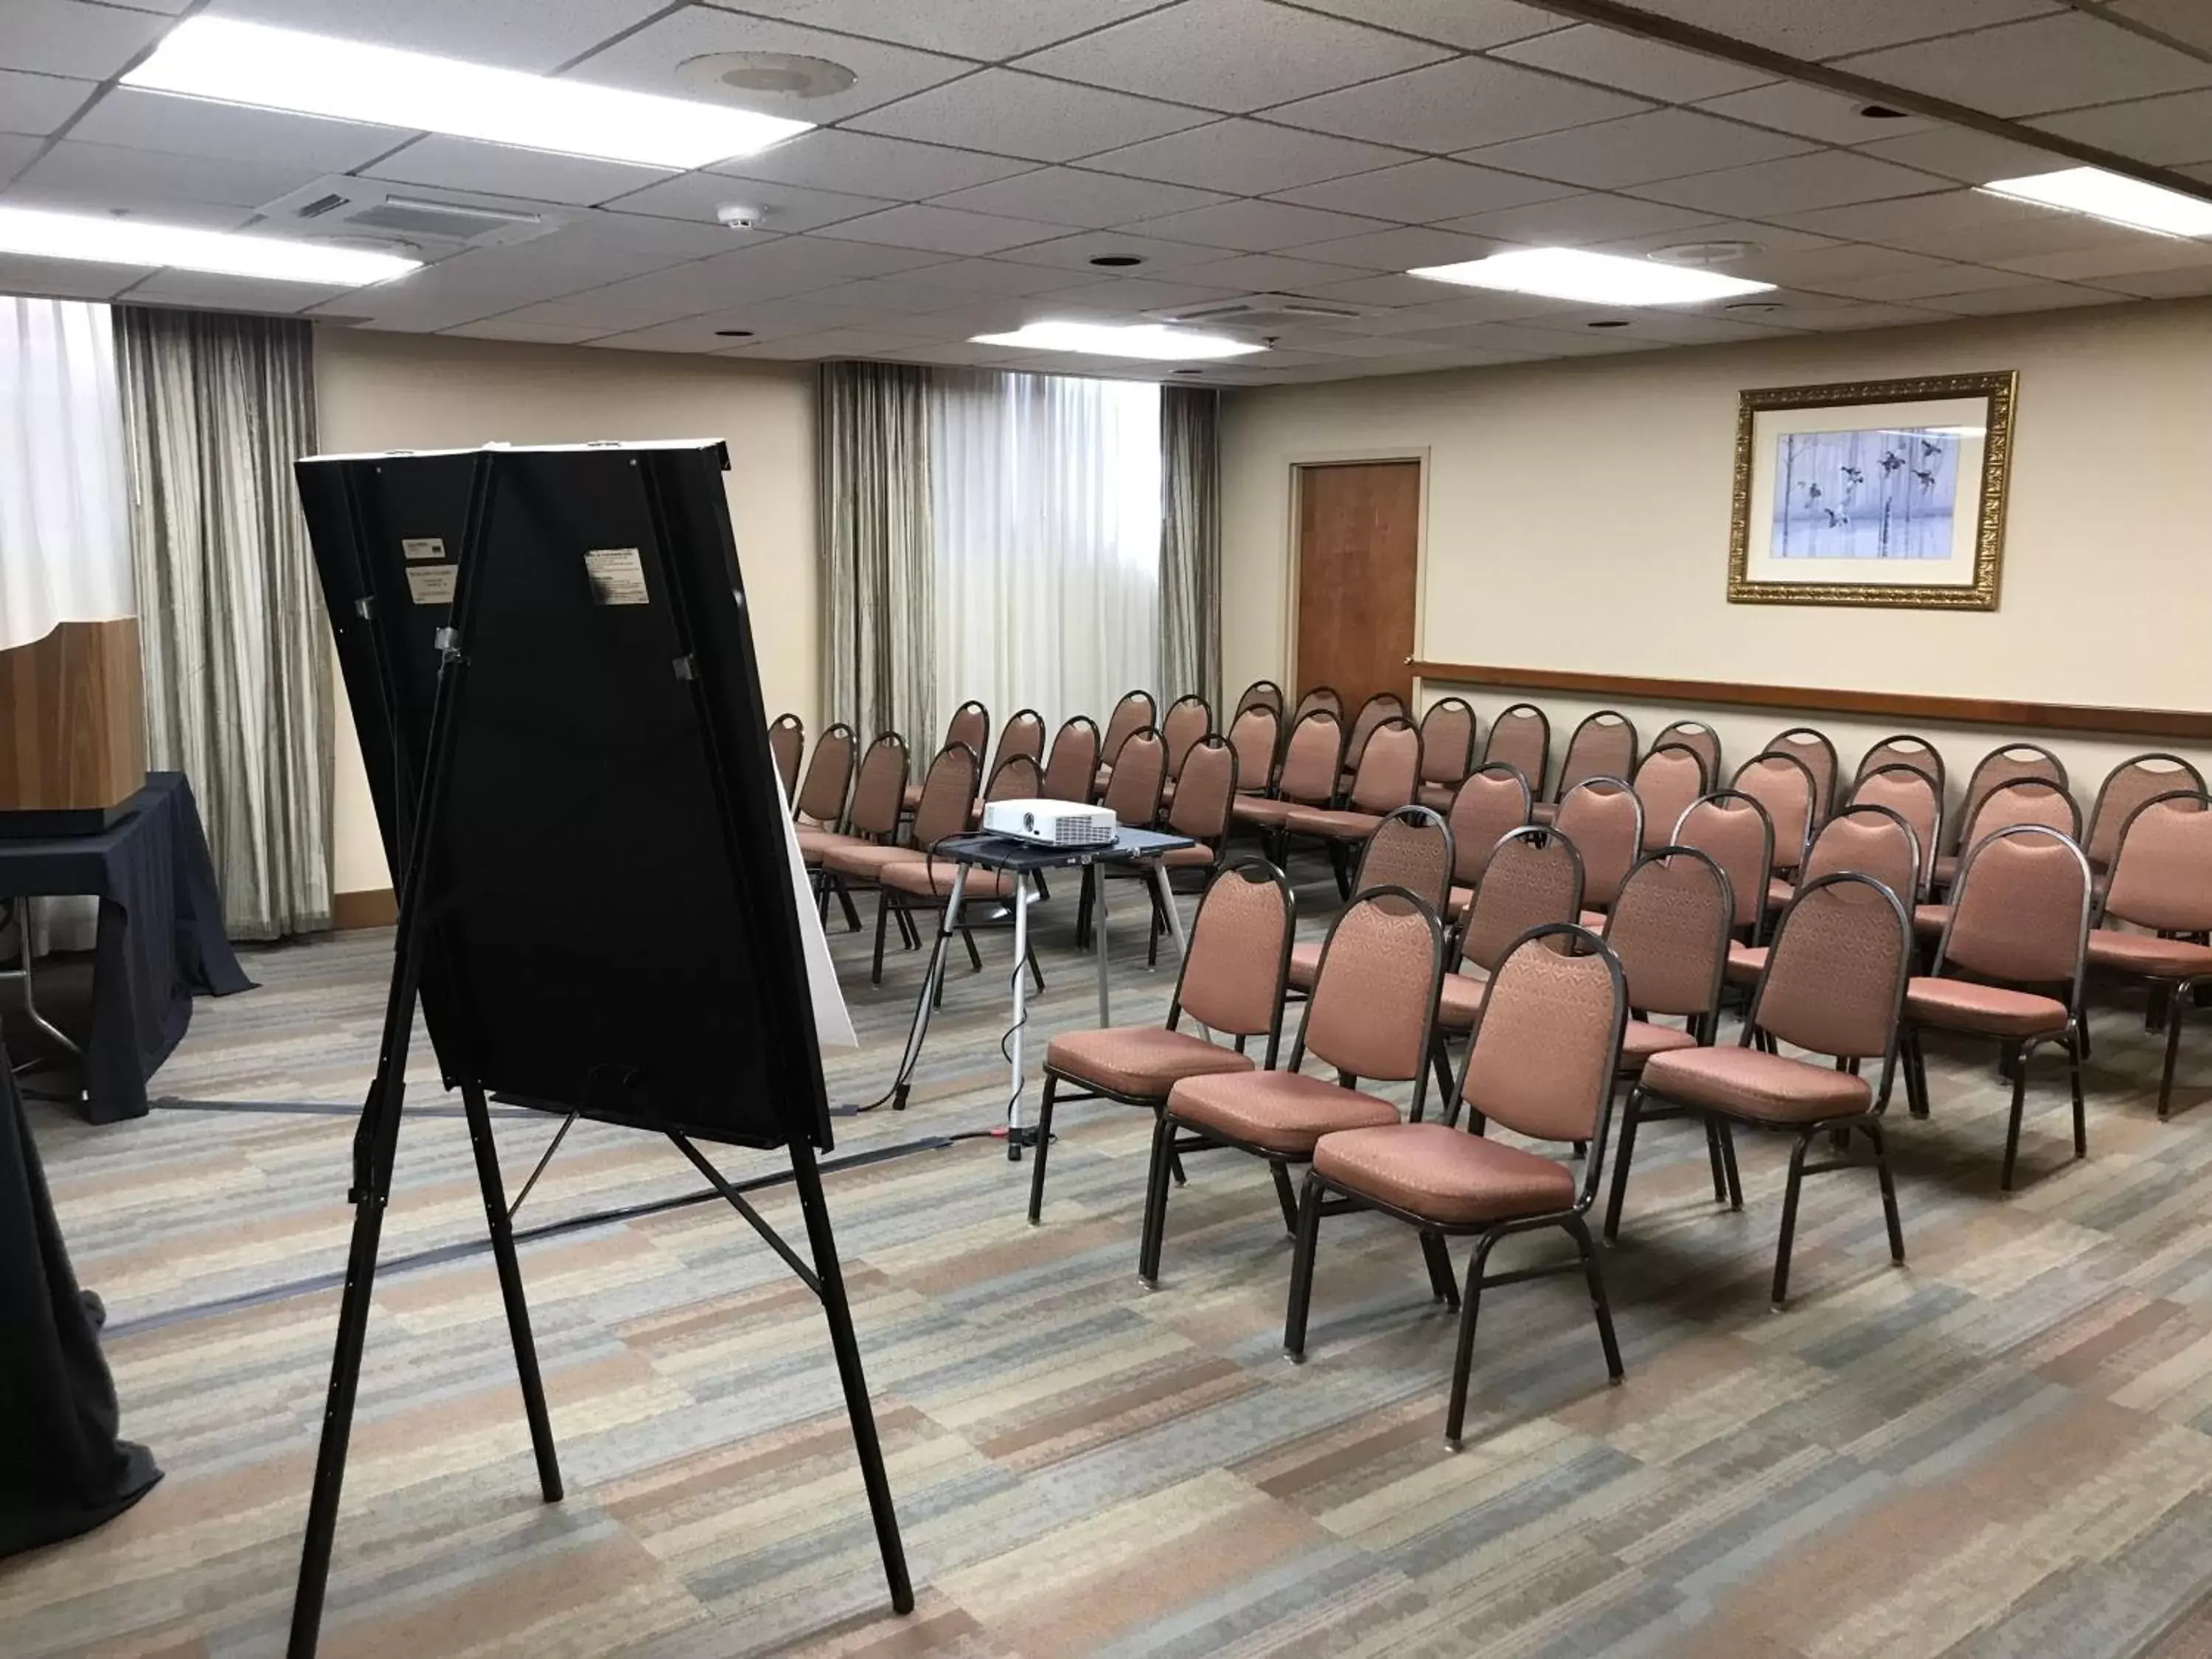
[{"x": 376, "y": 1139}]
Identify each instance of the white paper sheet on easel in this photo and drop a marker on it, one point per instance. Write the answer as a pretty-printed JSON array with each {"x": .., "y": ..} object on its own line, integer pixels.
[{"x": 832, "y": 1024}]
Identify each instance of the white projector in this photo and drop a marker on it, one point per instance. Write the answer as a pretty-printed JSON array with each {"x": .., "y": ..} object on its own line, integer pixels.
[{"x": 1053, "y": 822}]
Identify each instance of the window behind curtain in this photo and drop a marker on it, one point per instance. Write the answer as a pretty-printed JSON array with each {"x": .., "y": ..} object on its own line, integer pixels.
[{"x": 1045, "y": 499}]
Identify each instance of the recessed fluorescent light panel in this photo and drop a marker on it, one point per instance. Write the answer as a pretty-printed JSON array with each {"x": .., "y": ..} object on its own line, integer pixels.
[
  {"x": 2107, "y": 196},
  {"x": 1598, "y": 279},
  {"x": 1152, "y": 340},
  {"x": 99, "y": 240},
  {"x": 268, "y": 68}
]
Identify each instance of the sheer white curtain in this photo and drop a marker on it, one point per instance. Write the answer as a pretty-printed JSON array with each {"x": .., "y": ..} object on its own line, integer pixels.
[
  {"x": 1046, "y": 498},
  {"x": 64, "y": 541}
]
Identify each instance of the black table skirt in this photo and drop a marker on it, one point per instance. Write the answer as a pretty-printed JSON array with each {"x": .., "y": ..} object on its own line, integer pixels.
[
  {"x": 161, "y": 936},
  {"x": 63, "y": 1471}
]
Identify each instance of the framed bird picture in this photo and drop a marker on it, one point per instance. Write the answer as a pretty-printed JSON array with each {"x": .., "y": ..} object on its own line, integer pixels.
[{"x": 1877, "y": 492}]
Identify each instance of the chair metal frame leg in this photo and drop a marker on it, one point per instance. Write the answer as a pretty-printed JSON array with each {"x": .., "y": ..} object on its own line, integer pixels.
[
  {"x": 1156, "y": 1202},
  {"x": 1284, "y": 1195},
  {"x": 1308, "y": 1239},
  {"x": 1600, "y": 1307},
  {"x": 2074, "y": 1047},
  {"x": 1631, "y": 1113},
  {"x": 1889, "y": 1216},
  {"x": 1797, "y": 1150},
  {"x": 1043, "y": 1140},
  {"x": 2015, "y": 1059},
  {"x": 1463, "y": 1349},
  {"x": 1442, "y": 1285}
]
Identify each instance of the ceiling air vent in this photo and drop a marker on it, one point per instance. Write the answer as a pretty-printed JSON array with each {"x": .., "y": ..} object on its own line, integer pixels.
[
  {"x": 1264, "y": 312},
  {"x": 362, "y": 207}
]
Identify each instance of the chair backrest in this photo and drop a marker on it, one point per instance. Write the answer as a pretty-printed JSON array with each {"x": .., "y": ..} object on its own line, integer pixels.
[
  {"x": 1374, "y": 995},
  {"x": 1134, "y": 713},
  {"x": 1389, "y": 772},
  {"x": 1605, "y": 821},
  {"x": 1016, "y": 777},
  {"x": 2127, "y": 786},
  {"x": 1874, "y": 840},
  {"x": 828, "y": 775},
  {"x": 1022, "y": 735},
  {"x": 1913, "y": 796},
  {"x": 948, "y": 795},
  {"x": 1520, "y": 736},
  {"x": 1782, "y": 785},
  {"x": 1311, "y": 759},
  {"x": 1133, "y": 794},
  {"x": 1381, "y": 707},
  {"x": 1318, "y": 696},
  {"x": 879, "y": 788},
  {"x": 1733, "y": 828},
  {"x": 2001, "y": 766},
  {"x": 1669, "y": 926},
  {"x": 1254, "y": 735},
  {"x": 1668, "y": 782},
  {"x": 1543, "y": 1057},
  {"x": 2162, "y": 874},
  {"x": 1534, "y": 876},
  {"x": 970, "y": 724},
  {"x": 1260, "y": 694},
  {"x": 1835, "y": 975},
  {"x": 787, "y": 741},
  {"x": 1205, "y": 791},
  {"x": 1410, "y": 848},
  {"x": 1902, "y": 749},
  {"x": 2020, "y": 909},
  {"x": 1602, "y": 746},
  {"x": 1189, "y": 720},
  {"x": 1239, "y": 957},
  {"x": 1493, "y": 799},
  {"x": 1700, "y": 739},
  {"x": 1812, "y": 747},
  {"x": 2024, "y": 800},
  {"x": 1071, "y": 771},
  {"x": 1447, "y": 741}
]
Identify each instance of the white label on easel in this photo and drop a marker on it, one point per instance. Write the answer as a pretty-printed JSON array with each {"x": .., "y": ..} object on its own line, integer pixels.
[
  {"x": 618, "y": 575},
  {"x": 424, "y": 547},
  {"x": 431, "y": 584}
]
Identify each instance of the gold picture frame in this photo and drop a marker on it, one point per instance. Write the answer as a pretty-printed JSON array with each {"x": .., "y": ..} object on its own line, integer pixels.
[{"x": 1809, "y": 525}]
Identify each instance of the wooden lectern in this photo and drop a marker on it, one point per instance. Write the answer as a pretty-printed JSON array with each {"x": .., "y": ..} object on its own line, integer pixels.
[{"x": 72, "y": 729}]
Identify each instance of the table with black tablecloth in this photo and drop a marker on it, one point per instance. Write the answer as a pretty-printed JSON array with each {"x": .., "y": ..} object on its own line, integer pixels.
[
  {"x": 161, "y": 936},
  {"x": 63, "y": 1471}
]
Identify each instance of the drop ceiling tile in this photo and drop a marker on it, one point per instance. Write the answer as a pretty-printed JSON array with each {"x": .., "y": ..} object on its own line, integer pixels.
[
  {"x": 2184, "y": 19},
  {"x": 959, "y": 354},
  {"x": 1834, "y": 269},
  {"x": 2025, "y": 295},
  {"x": 503, "y": 170},
  {"x": 15, "y": 154},
  {"x": 1003, "y": 277},
  {"x": 1843, "y": 319},
  {"x": 1078, "y": 199},
  {"x": 584, "y": 314},
  {"x": 1974, "y": 158},
  {"x": 1927, "y": 283},
  {"x": 1966, "y": 225},
  {"x": 1076, "y": 252},
  {"x": 502, "y": 328},
  {"x": 805, "y": 347},
  {"x": 943, "y": 230},
  {"x": 1247, "y": 158},
  {"x": 1256, "y": 226},
  {"x": 1653, "y": 325},
  {"x": 1612, "y": 58},
  {"x": 1796, "y": 184},
  {"x": 208, "y": 291},
  {"x": 538, "y": 35},
  {"x": 913, "y": 294},
  {"x": 1233, "y": 54},
  {"x": 2097, "y": 264},
  {"x": 990, "y": 32},
  {"x": 2182, "y": 281},
  {"x": 1826, "y": 28},
  {"x": 1662, "y": 143},
  {"x": 1261, "y": 273},
  {"x": 67, "y": 37},
  {"x": 1457, "y": 105},
  {"x": 1532, "y": 342},
  {"x": 37, "y": 104},
  {"x": 197, "y": 126},
  {"x": 1452, "y": 306},
  {"x": 860, "y": 163},
  {"x": 1135, "y": 296},
  {"x": 1475, "y": 25},
  {"x": 1399, "y": 249},
  {"x": 1578, "y": 220},
  {"x": 596, "y": 236},
  {"x": 821, "y": 260},
  {"x": 2062, "y": 61},
  {"x": 152, "y": 181},
  {"x": 66, "y": 279},
  {"x": 1759, "y": 236},
  {"x": 1016, "y": 114},
  {"x": 699, "y": 195},
  {"x": 649, "y": 60},
  {"x": 1425, "y": 191},
  {"x": 2169, "y": 130},
  {"x": 1363, "y": 345},
  {"x": 1811, "y": 113},
  {"x": 1391, "y": 292}
]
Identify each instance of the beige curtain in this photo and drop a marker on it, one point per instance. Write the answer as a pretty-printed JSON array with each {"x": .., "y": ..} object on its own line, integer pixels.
[
  {"x": 879, "y": 612},
  {"x": 1190, "y": 543},
  {"x": 238, "y": 693}
]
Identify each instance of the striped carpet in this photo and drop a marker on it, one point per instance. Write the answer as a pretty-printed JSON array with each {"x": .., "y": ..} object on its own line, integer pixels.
[{"x": 2004, "y": 1448}]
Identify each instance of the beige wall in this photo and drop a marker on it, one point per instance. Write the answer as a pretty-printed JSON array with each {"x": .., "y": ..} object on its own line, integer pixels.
[
  {"x": 385, "y": 391},
  {"x": 1577, "y": 517}
]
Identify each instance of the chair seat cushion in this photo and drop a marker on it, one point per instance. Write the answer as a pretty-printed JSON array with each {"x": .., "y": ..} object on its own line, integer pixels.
[
  {"x": 1144, "y": 1061},
  {"x": 812, "y": 843},
  {"x": 1282, "y": 1112},
  {"x": 1961, "y": 1005},
  {"x": 1929, "y": 921},
  {"x": 1305, "y": 964},
  {"x": 1261, "y": 809},
  {"x": 1593, "y": 919},
  {"x": 1746, "y": 963},
  {"x": 2143, "y": 953},
  {"x": 1779, "y": 893},
  {"x": 1640, "y": 1039},
  {"x": 923, "y": 877},
  {"x": 1544, "y": 812},
  {"x": 1460, "y": 898},
  {"x": 1459, "y": 997},
  {"x": 1336, "y": 826},
  {"x": 1746, "y": 1082},
  {"x": 1200, "y": 857},
  {"x": 1947, "y": 870},
  {"x": 867, "y": 859},
  {"x": 911, "y": 798},
  {"x": 1443, "y": 1175},
  {"x": 1436, "y": 797}
]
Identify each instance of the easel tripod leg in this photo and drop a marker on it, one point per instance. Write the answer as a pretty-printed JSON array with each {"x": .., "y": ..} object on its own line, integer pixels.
[{"x": 510, "y": 1290}]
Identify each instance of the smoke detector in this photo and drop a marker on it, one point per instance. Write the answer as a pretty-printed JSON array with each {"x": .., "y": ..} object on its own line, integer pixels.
[{"x": 766, "y": 74}]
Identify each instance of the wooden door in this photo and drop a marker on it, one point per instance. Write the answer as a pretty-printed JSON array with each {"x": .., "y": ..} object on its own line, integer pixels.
[{"x": 1360, "y": 528}]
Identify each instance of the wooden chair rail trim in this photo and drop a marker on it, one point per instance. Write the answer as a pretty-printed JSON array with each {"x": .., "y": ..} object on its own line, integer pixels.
[{"x": 2175, "y": 724}]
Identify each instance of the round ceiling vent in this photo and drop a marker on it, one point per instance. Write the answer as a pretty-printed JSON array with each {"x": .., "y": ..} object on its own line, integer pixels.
[
  {"x": 766, "y": 73},
  {"x": 1702, "y": 255}
]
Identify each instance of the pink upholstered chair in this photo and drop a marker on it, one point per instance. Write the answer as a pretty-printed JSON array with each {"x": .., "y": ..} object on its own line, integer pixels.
[
  {"x": 1306, "y": 778},
  {"x": 1189, "y": 719},
  {"x": 1231, "y": 983},
  {"x": 2017, "y": 933},
  {"x": 1804, "y": 744},
  {"x": 1447, "y": 750},
  {"x": 872, "y": 821},
  {"x": 1379, "y": 709},
  {"x": 1541, "y": 1066},
  {"x": 1602, "y": 746},
  {"x": 1387, "y": 776},
  {"x": 948, "y": 794},
  {"x": 820, "y": 804},
  {"x": 2161, "y": 881},
  {"x": 787, "y": 741},
  {"x": 1699, "y": 739},
  {"x": 1534, "y": 877},
  {"x": 1733, "y": 828},
  {"x": 1260, "y": 694},
  {"x": 1135, "y": 712},
  {"x": 1021, "y": 738},
  {"x": 970, "y": 727},
  {"x": 1917, "y": 798},
  {"x": 1200, "y": 811},
  {"x": 1494, "y": 799},
  {"x": 1784, "y": 788},
  {"x": 1133, "y": 796},
  {"x": 1668, "y": 780},
  {"x": 1872, "y": 841},
  {"x": 1903, "y": 749},
  {"x": 1411, "y": 849},
  {"x": 2127, "y": 786},
  {"x": 1369, "y": 1017},
  {"x": 1520, "y": 736},
  {"x": 1605, "y": 821},
  {"x": 2019, "y": 800},
  {"x": 1254, "y": 734},
  {"x": 1834, "y": 985},
  {"x": 1069, "y": 769},
  {"x": 2008, "y": 763}
]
